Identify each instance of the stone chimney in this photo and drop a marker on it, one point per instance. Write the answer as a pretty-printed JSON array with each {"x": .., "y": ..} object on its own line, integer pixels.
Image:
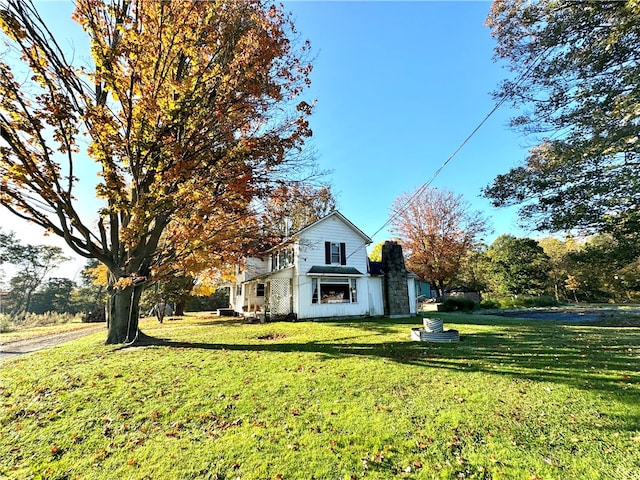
[{"x": 396, "y": 291}]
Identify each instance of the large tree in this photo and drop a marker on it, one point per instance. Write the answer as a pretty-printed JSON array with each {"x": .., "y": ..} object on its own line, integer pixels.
[
  {"x": 576, "y": 67},
  {"x": 436, "y": 229},
  {"x": 601, "y": 271},
  {"x": 292, "y": 207},
  {"x": 558, "y": 252},
  {"x": 517, "y": 266},
  {"x": 184, "y": 104}
]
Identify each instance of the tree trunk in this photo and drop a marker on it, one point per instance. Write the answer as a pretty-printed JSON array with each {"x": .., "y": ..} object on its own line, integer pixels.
[
  {"x": 442, "y": 293},
  {"x": 180, "y": 304},
  {"x": 122, "y": 310}
]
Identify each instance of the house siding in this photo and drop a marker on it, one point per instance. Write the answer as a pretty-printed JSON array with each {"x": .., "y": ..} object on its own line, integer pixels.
[
  {"x": 332, "y": 229},
  {"x": 411, "y": 287},
  {"x": 291, "y": 289},
  {"x": 311, "y": 252},
  {"x": 253, "y": 267},
  {"x": 307, "y": 309}
]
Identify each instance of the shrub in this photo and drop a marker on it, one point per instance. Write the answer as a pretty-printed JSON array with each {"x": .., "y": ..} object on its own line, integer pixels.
[
  {"x": 543, "y": 301},
  {"x": 490, "y": 304},
  {"x": 459, "y": 304},
  {"x": 95, "y": 315},
  {"x": 30, "y": 320},
  {"x": 49, "y": 318},
  {"x": 5, "y": 323}
]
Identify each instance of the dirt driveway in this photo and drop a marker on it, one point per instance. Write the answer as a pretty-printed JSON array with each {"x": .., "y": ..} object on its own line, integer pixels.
[{"x": 14, "y": 349}]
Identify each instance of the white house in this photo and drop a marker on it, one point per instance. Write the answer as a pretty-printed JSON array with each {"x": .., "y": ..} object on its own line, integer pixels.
[{"x": 321, "y": 271}]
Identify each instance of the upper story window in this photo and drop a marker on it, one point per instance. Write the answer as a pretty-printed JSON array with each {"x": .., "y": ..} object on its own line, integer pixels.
[
  {"x": 282, "y": 259},
  {"x": 335, "y": 253}
]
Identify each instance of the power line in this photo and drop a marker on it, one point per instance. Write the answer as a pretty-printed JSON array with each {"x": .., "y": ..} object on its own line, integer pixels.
[{"x": 425, "y": 185}]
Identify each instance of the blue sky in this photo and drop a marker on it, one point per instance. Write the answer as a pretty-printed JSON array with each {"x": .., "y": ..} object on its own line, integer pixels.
[{"x": 399, "y": 85}]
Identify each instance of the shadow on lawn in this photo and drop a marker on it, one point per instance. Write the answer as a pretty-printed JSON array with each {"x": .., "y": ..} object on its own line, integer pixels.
[{"x": 576, "y": 356}]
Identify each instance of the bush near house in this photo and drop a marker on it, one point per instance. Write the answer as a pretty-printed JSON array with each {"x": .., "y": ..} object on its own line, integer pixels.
[{"x": 459, "y": 304}]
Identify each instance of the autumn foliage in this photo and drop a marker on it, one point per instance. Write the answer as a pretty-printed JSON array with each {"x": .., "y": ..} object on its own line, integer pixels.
[
  {"x": 188, "y": 112},
  {"x": 436, "y": 230}
]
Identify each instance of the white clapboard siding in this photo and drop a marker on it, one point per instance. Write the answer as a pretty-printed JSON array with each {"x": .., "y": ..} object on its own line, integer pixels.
[
  {"x": 331, "y": 229},
  {"x": 310, "y": 251}
]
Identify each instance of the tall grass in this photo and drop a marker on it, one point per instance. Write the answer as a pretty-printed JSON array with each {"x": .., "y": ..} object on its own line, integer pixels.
[{"x": 33, "y": 325}]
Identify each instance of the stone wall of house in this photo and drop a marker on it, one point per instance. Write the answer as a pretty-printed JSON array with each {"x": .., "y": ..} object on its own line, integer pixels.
[{"x": 396, "y": 291}]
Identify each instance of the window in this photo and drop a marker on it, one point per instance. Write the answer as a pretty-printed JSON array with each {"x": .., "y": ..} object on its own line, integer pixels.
[
  {"x": 238, "y": 290},
  {"x": 260, "y": 290},
  {"x": 282, "y": 259},
  {"x": 335, "y": 253},
  {"x": 334, "y": 290}
]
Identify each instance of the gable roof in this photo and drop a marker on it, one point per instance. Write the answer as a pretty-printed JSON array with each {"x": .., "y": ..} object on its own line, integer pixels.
[{"x": 344, "y": 219}]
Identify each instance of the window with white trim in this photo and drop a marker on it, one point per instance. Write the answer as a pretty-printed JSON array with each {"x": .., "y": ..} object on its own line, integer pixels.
[
  {"x": 282, "y": 259},
  {"x": 335, "y": 253},
  {"x": 334, "y": 290}
]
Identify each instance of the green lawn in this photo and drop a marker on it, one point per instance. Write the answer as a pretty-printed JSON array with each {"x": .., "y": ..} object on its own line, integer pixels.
[{"x": 220, "y": 399}]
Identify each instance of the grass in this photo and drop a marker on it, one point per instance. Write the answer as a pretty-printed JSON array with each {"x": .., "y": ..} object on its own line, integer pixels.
[{"x": 219, "y": 399}]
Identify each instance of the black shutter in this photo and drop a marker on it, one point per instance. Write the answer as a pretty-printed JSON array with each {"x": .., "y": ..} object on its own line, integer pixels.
[
  {"x": 343, "y": 254},
  {"x": 327, "y": 253}
]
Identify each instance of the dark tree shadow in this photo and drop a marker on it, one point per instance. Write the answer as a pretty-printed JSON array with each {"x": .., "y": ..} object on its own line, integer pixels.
[{"x": 556, "y": 354}]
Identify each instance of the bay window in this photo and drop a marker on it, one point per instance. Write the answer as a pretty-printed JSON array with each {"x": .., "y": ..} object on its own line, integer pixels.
[{"x": 334, "y": 290}]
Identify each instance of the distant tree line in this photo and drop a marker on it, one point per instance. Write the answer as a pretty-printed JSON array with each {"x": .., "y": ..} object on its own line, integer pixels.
[
  {"x": 31, "y": 290},
  {"x": 511, "y": 270}
]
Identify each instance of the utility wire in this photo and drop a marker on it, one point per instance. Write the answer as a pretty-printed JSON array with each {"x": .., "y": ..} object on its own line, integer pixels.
[{"x": 425, "y": 185}]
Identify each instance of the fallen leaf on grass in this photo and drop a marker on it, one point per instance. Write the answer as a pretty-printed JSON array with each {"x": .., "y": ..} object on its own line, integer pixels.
[{"x": 423, "y": 446}]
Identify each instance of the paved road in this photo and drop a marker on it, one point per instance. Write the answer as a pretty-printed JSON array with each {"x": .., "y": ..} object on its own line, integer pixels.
[{"x": 14, "y": 349}]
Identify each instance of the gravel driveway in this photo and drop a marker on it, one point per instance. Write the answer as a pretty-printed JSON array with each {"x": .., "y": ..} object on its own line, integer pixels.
[{"x": 14, "y": 349}]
